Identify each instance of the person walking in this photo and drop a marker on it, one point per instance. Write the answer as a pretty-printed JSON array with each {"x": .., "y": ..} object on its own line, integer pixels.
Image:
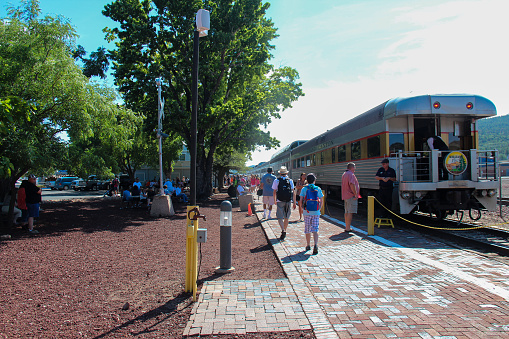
[
  {"x": 386, "y": 176},
  {"x": 311, "y": 199},
  {"x": 350, "y": 194},
  {"x": 33, "y": 199},
  {"x": 114, "y": 186},
  {"x": 268, "y": 192},
  {"x": 283, "y": 191},
  {"x": 296, "y": 196}
]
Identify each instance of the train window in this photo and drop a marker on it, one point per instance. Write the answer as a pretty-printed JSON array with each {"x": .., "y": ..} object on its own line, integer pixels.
[
  {"x": 374, "y": 147},
  {"x": 341, "y": 153},
  {"x": 322, "y": 159},
  {"x": 313, "y": 162},
  {"x": 396, "y": 142},
  {"x": 333, "y": 155},
  {"x": 356, "y": 150},
  {"x": 454, "y": 142},
  {"x": 295, "y": 164},
  {"x": 302, "y": 162},
  {"x": 308, "y": 161}
]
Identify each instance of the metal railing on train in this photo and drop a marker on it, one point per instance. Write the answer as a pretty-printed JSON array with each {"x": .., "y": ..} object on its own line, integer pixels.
[{"x": 429, "y": 166}]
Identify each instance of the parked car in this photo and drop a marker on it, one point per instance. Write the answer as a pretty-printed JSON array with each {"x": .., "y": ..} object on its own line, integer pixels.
[
  {"x": 78, "y": 184},
  {"x": 64, "y": 183},
  {"x": 50, "y": 184}
]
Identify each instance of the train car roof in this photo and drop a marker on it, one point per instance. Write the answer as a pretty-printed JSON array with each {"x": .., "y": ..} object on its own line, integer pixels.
[
  {"x": 417, "y": 105},
  {"x": 448, "y": 104},
  {"x": 288, "y": 147}
]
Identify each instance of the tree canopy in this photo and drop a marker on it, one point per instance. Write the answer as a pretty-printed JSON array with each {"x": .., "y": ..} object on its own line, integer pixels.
[
  {"x": 240, "y": 92},
  {"x": 43, "y": 94}
]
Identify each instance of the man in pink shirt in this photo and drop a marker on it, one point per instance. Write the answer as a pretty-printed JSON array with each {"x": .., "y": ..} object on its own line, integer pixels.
[{"x": 350, "y": 193}]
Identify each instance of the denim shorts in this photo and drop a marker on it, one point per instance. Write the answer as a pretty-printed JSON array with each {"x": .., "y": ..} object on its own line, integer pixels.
[{"x": 33, "y": 210}]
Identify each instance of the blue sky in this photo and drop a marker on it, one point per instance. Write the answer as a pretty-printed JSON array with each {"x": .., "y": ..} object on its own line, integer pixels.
[{"x": 354, "y": 55}]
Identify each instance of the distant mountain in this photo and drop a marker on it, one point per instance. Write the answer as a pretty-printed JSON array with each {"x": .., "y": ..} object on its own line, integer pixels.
[{"x": 494, "y": 134}]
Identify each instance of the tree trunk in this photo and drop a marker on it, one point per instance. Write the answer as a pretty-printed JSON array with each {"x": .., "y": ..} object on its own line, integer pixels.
[
  {"x": 8, "y": 186},
  {"x": 204, "y": 176},
  {"x": 220, "y": 177}
]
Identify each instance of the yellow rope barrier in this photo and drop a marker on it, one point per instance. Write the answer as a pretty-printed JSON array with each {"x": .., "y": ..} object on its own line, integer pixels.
[
  {"x": 436, "y": 228},
  {"x": 432, "y": 227}
]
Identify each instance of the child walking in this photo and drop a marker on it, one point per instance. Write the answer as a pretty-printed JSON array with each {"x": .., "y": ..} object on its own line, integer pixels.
[{"x": 311, "y": 199}]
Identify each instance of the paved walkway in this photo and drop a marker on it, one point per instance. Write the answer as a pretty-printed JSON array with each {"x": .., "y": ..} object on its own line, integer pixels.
[{"x": 396, "y": 284}]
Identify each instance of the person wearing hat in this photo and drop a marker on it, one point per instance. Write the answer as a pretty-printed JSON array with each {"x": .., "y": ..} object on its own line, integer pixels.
[
  {"x": 283, "y": 192},
  {"x": 33, "y": 198},
  {"x": 268, "y": 192},
  {"x": 386, "y": 177}
]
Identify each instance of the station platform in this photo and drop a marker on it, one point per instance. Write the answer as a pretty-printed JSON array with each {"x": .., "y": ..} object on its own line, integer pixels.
[{"x": 396, "y": 284}]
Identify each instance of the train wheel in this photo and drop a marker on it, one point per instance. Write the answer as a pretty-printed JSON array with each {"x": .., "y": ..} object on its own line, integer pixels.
[{"x": 475, "y": 215}]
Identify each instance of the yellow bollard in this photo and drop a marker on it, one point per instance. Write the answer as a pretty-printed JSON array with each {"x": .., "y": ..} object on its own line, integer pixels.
[
  {"x": 191, "y": 253},
  {"x": 371, "y": 215},
  {"x": 322, "y": 208}
]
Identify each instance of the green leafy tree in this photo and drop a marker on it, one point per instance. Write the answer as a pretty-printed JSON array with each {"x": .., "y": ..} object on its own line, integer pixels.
[
  {"x": 97, "y": 64},
  {"x": 115, "y": 134},
  {"x": 239, "y": 92},
  {"x": 228, "y": 160},
  {"x": 38, "y": 73},
  {"x": 42, "y": 93}
]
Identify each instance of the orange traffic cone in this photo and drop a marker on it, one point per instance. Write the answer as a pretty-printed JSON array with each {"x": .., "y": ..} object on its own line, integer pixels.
[{"x": 249, "y": 212}]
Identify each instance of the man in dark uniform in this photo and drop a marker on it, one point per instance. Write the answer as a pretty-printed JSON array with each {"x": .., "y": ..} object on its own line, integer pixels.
[{"x": 386, "y": 177}]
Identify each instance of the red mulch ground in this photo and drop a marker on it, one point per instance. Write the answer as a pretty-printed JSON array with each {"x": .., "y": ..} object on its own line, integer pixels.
[{"x": 97, "y": 271}]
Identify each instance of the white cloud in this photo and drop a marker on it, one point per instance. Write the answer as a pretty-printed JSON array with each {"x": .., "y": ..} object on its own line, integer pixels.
[{"x": 452, "y": 47}]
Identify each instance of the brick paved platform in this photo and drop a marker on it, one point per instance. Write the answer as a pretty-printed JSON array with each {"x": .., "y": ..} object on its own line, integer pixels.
[{"x": 395, "y": 284}]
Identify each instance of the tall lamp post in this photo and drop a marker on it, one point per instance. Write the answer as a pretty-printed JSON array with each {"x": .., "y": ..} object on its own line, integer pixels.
[{"x": 202, "y": 26}]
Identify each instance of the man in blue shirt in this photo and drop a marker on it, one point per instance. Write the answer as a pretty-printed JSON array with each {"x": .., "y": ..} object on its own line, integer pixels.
[
  {"x": 268, "y": 192},
  {"x": 169, "y": 187}
]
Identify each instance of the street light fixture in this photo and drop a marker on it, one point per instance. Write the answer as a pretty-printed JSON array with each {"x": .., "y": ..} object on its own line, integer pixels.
[{"x": 202, "y": 26}]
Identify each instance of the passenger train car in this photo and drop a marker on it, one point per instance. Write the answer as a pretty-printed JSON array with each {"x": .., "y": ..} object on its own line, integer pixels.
[{"x": 436, "y": 182}]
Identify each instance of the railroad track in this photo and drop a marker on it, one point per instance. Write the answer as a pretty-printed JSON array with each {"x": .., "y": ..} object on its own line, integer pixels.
[
  {"x": 488, "y": 239},
  {"x": 503, "y": 201}
]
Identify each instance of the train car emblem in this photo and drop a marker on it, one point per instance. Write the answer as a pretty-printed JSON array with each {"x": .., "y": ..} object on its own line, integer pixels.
[{"x": 456, "y": 163}]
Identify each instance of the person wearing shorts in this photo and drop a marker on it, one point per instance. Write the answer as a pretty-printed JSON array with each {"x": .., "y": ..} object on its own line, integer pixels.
[
  {"x": 311, "y": 218},
  {"x": 284, "y": 208},
  {"x": 350, "y": 193},
  {"x": 268, "y": 192}
]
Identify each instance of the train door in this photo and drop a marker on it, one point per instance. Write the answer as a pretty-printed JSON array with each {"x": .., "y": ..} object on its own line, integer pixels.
[
  {"x": 461, "y": 138},
  {"x": 423, "y": 129}
]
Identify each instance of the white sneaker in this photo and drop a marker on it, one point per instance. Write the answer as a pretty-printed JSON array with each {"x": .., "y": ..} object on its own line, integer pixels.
[
  {"x": 264, "y": 215},
  {"x": 269, "y": 216}
]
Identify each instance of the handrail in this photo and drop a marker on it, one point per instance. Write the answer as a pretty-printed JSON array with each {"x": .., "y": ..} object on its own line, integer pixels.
[{"x": 435, "y": 166}]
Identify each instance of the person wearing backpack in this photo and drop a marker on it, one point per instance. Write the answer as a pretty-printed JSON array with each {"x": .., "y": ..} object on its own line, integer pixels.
[
  {"x": 283, "y": 192},
  {"x": 311, "y": 200}
]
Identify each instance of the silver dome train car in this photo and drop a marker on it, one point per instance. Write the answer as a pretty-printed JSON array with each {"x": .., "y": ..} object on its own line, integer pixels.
[{"x": 432, "y": 181}]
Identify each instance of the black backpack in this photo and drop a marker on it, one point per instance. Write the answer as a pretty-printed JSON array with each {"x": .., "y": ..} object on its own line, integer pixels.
[{"x": 284, "y": 190}]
